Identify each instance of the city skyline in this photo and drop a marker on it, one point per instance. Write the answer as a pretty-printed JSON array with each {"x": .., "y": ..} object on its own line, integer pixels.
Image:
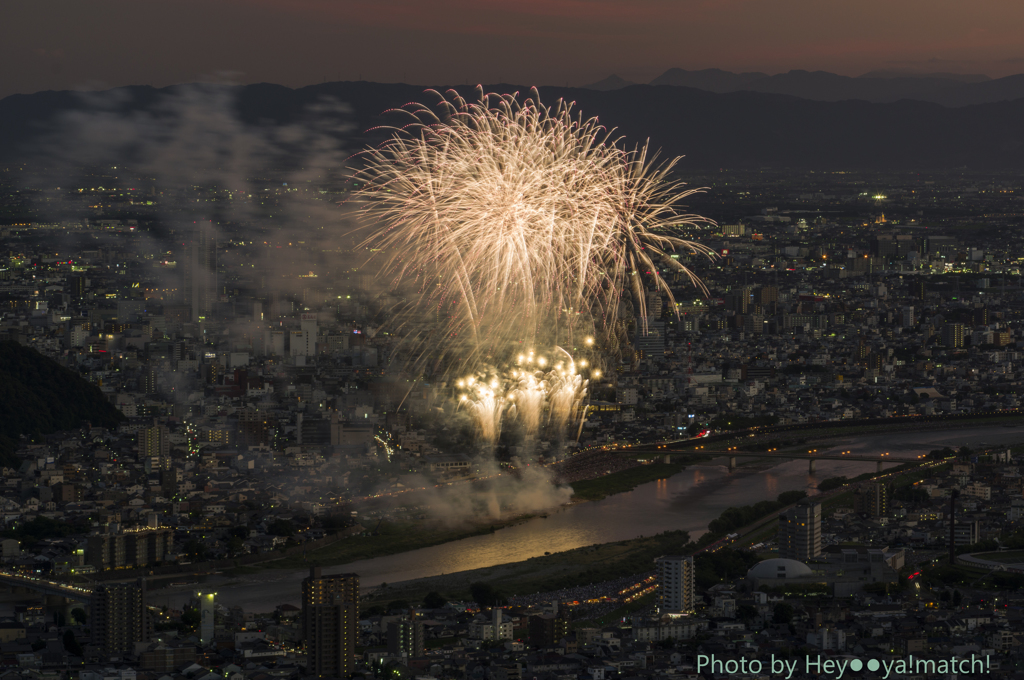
[{"x": 111, "y": 43}]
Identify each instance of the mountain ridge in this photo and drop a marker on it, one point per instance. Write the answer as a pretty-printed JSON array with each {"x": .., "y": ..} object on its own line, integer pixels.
[{"x": 947, "y": 89}]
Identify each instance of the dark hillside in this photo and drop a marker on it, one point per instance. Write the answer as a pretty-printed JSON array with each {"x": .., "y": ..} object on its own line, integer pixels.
[{"x": 38, "y": 396}]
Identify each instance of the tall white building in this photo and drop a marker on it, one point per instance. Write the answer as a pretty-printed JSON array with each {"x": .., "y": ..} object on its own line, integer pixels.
[
  {"x": 206, "y": 616},
  {"x": 675, "y": 583},
  {"x": 297, "y": 344},
  {"x": 308, "y": 323}
]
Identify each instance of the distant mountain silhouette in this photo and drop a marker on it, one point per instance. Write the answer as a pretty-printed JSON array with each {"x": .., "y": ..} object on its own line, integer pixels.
[
  {"x": 612, "y": 82},
  {"x": 970, "y": 94},
  {"x": 879, "y": 87},
  {"x": 955, "y": 77},
  {"x": 712, "y": 80},
  {"x": 731, "y": 130}
]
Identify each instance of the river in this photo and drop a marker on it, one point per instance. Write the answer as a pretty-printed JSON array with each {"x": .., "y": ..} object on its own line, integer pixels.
[{"x": 689, "y": 500}]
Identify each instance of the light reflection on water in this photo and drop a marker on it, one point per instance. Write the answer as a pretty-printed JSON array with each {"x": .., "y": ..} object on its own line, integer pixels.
[{"x": 687, "y": 501}]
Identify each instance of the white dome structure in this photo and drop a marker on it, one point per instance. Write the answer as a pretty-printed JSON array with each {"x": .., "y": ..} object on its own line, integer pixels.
[{"x": 779, "y": 568}]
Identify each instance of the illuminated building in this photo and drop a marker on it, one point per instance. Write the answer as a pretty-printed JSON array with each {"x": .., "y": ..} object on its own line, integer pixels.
[
  {"x": 330, "y": 621},
  {"x": 405, "y": 637},
  {"x": 800, "y": 531},
  {"x": 953, "y": 335},
  {"x": 874, "y": 500},
  {"x": 205, "y": 603},
  {"x": 118, "y": 617},
  {"x": 675, "y": 583},
  {"x": 547, "y": 629}
]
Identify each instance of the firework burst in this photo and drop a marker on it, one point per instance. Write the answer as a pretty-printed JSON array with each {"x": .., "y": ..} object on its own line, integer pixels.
[
  {"x": 521, "y": 224},
  {"x": 540, "y": 395}
]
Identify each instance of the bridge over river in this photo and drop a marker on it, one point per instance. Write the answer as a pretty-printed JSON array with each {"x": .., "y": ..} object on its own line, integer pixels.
[
  {"x": 691, "y": 446},
  {"x": 44, "y": 586}
]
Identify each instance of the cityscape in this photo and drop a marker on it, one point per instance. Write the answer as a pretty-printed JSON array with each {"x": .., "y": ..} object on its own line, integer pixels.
[{"x": 385, "y": 381}]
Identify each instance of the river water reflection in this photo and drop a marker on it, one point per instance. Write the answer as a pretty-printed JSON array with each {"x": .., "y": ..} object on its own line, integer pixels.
[{"x": 688, "y": 501}]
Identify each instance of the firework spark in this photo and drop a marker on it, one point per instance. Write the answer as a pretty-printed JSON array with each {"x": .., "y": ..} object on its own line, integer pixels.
[
  {"x": 540, "y": 395},
  {"x": 522, "y": 224}
]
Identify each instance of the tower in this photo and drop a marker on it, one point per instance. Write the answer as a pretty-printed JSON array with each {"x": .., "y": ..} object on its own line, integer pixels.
[
  {"x": 675, "y": 583},
  {"x": 118, "y": 617},
  {"x": 200, "y": 271},
  {"x": 206, "y": 602},
  {"x": 330, "y": 619},
  {"x": 800, "y": 531}
]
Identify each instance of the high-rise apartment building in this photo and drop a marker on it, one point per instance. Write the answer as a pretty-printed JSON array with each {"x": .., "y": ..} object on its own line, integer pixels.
[
  {"x": 405, "y": 637},
  {"x": 918, "y": 289},
  {"x": 155, "y": 447},
  {"x": 654, "y": 304},
  {"x": 966, "y": 532},
  {"x": 330, "y": 622},
  {"x": 308, "y": 323},
  {"x": 199, "y": 284},
  {"x": 766, "y": 299},
  {"x": 650, "y": 341},
  {"x": 149, "y": 381},
  {"x": 675, "y": 583},
  {"x": 953, "y": 335},
  {"x": 302, "y": 343},
  {"x": 118, "y": 617},
  {"x": 547, "y": 629},
  {"x": 873, "y": 500},
  {"x": 132, "y": 548},
  {"x": 739, "y": 299},
  {"x": 800, "y": 531},
  {"x": 907, "y": 318},
  {"x": 75, "y": 287}
]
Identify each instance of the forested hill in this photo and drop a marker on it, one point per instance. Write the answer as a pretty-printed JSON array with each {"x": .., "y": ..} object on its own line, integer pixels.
[{"x": 39, "y": 396}]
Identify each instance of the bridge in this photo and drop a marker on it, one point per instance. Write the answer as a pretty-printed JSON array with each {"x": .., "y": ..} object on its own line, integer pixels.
[
  {"x": 691, "y": 446},
  {"x": 41, "y": 585}
]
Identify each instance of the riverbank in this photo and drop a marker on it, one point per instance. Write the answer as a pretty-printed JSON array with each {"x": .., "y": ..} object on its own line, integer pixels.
[
  {"x": 398, "y": 537},
  {"x": 808, "y": 435},
  {"x": 602, "y": 562},
  {"x": 389, "y": 538},
  {"x": 625, "y": 480},
  {"x": 591, "y": 564},
  {"x": 392, "y": 538},
  {"x": 687, "y": 501}
]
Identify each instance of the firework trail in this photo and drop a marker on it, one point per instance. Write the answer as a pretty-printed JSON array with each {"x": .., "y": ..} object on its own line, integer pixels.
[
  {"x": 485, "y": 400},
  {"x": 521, "y": 225},
  {"x": 539, "y": 395}
]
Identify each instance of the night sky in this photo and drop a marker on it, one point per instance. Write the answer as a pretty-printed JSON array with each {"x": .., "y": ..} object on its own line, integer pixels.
[{"x": 64, "y": 44}]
